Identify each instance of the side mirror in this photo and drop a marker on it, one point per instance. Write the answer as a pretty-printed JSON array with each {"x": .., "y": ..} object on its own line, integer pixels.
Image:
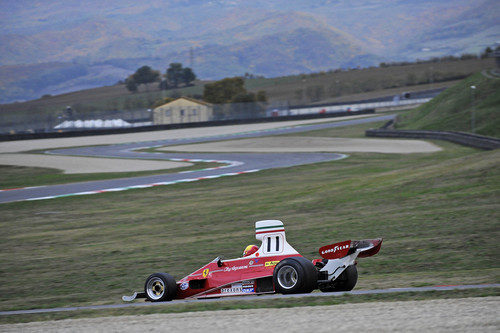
[{"x": 219, "y": 262}]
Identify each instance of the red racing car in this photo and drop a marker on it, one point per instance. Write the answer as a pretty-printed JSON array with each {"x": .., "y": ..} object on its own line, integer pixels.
[{"x": 273, "y": 267}]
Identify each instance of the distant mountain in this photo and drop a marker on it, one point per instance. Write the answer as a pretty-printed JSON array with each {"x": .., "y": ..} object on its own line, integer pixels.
[
  {"x": 469, "y": 30},
  {"x": 65, "y": 45},
  {"x": 302, "y": 50}
]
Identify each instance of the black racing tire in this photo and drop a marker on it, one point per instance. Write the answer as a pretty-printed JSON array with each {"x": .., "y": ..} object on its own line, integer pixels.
[
  {"x": 160, "y": 287},
  {"x": 295, "y": 275},
  {"x": 345, "y": 282}
]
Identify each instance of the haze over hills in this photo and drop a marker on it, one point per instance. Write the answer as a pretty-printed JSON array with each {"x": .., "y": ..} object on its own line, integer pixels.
[{"x": 55, "y": 46}]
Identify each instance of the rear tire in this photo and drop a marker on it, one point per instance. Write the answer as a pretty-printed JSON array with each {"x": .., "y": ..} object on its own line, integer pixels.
[
  {"x": 345, "y": 282},
  {"x": 295, "y": 275},
  {"x": 160, "y": 287}
]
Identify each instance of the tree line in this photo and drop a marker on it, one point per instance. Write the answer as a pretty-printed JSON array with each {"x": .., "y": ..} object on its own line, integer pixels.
[
  {"x": 487, "y": 52},
  {"x": 231, "y": 90},
  {"x": 175, "y": 76}
]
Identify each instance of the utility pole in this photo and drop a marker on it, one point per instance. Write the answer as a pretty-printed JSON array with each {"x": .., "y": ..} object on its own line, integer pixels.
[
  {"x": 472, "y": 113},
  {"x": 191, "y": 57}
]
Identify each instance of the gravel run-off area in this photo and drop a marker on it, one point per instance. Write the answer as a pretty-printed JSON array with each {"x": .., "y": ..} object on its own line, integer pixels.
[
  {"x": 443, "y": 315},
  {"x": 74, "y": 164},
  {"x": 297, "y": 144}
]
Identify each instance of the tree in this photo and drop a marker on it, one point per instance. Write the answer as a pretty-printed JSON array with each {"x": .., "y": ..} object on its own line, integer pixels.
[
  {"x": 188, "y": 76},
  {"x": 261, "y": 96},
  {"x": 223, "y": 91},
  {"x": 174, "y": 74},
  {"x": 487, "y": 52},
  {"x": 131, "y": 84},
  {"x": 145, "y": 75},
  {"x": 243, "y": 98},
  {"x": 163, "y": 85}
]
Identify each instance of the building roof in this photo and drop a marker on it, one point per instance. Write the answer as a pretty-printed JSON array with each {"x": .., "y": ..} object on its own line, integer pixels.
[{"x": 192, "y": 100}]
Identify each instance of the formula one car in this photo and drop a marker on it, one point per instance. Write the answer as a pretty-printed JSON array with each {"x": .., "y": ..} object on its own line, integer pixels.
[{"x": 273, "y": 267}]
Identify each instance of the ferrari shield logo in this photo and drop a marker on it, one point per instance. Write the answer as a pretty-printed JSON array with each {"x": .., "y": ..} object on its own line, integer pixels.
[{"x": 205, "y": 272}]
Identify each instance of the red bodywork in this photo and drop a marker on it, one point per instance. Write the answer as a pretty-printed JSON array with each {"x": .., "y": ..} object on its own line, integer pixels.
[
  {"x": 234, "y": 277},
  {"x": 241, "y": 276},
  {"x": 376, "y": 243}
]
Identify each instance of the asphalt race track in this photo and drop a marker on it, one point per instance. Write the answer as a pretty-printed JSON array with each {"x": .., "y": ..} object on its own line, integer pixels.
[
  {"x": 250, "y": 298},
  {"x": 237, "y": 163}
]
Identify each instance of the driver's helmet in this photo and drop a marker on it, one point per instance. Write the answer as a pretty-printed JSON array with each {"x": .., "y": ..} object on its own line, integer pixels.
[{"x": 250, "y": 249}]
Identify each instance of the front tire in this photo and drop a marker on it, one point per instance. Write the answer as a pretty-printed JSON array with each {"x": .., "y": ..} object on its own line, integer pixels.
[
  {"x": 160, "y": 287},
  {"x": 295, "y": 275},
  {"x": 345, "y": 282}
]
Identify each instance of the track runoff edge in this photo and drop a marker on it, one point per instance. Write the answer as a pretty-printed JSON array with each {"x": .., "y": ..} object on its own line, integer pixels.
[{"x": 257, "y": 297}]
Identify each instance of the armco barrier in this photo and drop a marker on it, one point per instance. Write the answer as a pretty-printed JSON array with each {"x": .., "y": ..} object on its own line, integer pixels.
[
  {"x": 86, "y": 132},
  {"x": 466, "y": 139}
]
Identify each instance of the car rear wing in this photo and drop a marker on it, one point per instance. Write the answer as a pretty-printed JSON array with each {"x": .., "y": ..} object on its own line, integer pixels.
[{"x": 365, "y": 248}]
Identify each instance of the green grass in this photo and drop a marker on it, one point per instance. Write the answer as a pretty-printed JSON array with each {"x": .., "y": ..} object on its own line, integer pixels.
[
  {"x": 452, "y": 109},
  {"x": 438, "y": 214},
  {"x": 16, "y": 176},
  {"x": 228, "y": 304}
]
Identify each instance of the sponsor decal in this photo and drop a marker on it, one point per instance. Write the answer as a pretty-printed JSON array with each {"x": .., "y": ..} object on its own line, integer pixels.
[
  {"x": 272, "y": 263},
  {"x": 239, "y": 288},
  {"x": 236, "y": 288},
  {"x": 256, "y": 260},
  {"x": 250, "y": 262},
  {"x": 205, "y": 272},
  {"x": 335, "y": 249},
  {"x": 232, "y": 290},
  {"x": 184, "y": 286},
  {"x": 248, "y": 289},
  {"x": 235, "y": 268}
]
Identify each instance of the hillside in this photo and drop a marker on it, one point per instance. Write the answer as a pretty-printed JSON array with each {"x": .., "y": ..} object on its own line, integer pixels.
[
  {"x": 325, "y": 87},
  {"x": 102, "y": 42},
  {"x": 452, "y": 109},
  {"x": 329, "y": 86},
  {"x": 302, "y": 50}
]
